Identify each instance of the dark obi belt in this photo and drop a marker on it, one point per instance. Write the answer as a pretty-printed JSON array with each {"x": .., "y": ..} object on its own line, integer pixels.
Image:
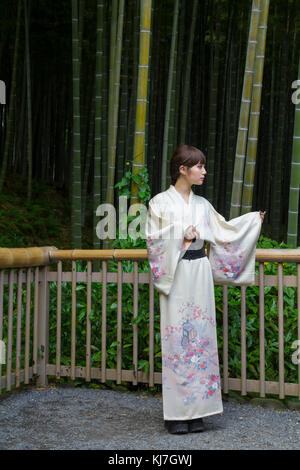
[{"x": 194, "y": 254}]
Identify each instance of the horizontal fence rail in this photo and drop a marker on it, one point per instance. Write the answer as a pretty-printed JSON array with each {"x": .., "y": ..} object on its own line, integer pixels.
[{"x": 84, "y": 322}]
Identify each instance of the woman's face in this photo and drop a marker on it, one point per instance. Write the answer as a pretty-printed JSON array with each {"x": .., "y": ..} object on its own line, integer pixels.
[{"x": 195, "y": 174}]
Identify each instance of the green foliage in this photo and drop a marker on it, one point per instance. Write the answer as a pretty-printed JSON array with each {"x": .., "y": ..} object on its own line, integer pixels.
[
  {"x": 40, "y": 222},
  {"x": 271, "y": 340},
  {"x": 141, "y": 179},
  {"x": 144, "y": 194}
]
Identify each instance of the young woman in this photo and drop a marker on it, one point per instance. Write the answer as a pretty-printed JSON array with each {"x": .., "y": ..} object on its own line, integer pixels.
[{"x": 178, "y": 223}]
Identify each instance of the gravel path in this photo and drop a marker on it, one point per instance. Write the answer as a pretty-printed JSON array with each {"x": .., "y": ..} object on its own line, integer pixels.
[{"x": 81, "y": 418}]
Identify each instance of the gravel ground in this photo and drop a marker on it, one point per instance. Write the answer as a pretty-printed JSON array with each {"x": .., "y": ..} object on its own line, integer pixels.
[{"x": 80, "y": 418}]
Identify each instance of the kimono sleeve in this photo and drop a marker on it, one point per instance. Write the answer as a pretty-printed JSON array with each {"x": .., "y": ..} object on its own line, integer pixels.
[
  {"x": 164, "y": 238},
  {"x": 232, "y": 257}
]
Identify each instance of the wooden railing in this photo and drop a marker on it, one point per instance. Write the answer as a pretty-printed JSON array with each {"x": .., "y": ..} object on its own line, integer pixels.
[{"x": 24, "y": 318}]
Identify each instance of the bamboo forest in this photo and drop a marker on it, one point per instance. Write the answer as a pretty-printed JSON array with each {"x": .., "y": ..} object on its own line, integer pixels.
[{"x": 97, "y": 94}]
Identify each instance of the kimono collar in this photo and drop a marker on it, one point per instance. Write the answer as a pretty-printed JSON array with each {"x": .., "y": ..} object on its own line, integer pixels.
[{"x": 178, "y": 195}]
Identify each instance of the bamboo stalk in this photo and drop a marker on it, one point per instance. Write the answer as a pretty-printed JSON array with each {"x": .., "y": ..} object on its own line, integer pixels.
[
  {"x": 188, "y": 67},
  {"x": 111, "y": 96},
  {"x": 104, "y": 110},
  {"x": 244, "y": 112},
  {"x": 133, "y": 101},
  {"x": 171, "y": 77},
  {"x": 266, "y": 182},
  {"x": 23, "y": 257},
  {"x": 248, "y": 184},
  {"x": 261, "y": 254},
  {"x": 213, "y": 99},
  {"x": 124, "y": 100},
  {"x": 29, "y": 103},
  {"x": 231, "y": 124},
  {"x": 76, "y": 147},
  {"x": 221, "y": 163},
  {"x": 115, "y": 109},
  {"x": 148, "y": 94},
  {"x": 293, "y": 224},
  {"x": 142, "y": 86},
  {"x": 154, "y": 91},
  {"x": 178, "y": 70},
  {"x": 98, "y": 117},
  {"x": 279, "y": 150}
]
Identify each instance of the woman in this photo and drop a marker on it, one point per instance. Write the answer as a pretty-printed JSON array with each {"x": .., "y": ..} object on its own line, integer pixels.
[{"x": 178, "y": 223}]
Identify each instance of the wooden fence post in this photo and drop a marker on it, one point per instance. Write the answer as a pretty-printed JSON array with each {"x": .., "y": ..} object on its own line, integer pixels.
[{"x": 43, "y": 327}]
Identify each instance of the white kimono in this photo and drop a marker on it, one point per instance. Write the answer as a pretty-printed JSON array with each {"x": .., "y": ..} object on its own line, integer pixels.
[{"x": 190, "y": 365}]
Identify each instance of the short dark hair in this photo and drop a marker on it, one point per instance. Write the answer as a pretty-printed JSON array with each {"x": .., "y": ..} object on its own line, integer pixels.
[{"x": 185, "y": 155}]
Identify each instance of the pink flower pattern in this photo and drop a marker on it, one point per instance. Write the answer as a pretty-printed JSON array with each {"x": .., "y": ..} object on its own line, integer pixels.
[
  {"x": 191, "y": 353},
  {"x": 230, "y": 262},
  {"x": 156, "y": 257}
]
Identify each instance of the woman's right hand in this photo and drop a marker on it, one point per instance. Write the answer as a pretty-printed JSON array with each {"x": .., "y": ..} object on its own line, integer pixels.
[
  {"x": 262, "y": 215},
  {"x": 190, "y": 233}
]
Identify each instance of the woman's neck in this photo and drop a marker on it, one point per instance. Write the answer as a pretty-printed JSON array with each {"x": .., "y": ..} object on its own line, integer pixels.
[{"x": 183, "y": 187}]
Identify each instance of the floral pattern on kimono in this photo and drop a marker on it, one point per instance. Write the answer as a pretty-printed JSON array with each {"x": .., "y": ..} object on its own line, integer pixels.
[
  {"x": 156, "y": 258},
  {"x": 191, "y": 354},
  {"x": 230, "y": 263},
  {"x": 164, "y": 238},
  {"x": 232, "y": 256}
]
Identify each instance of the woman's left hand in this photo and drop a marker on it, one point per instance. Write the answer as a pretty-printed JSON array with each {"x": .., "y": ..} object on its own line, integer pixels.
[{"x": 262, "y": 214}]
